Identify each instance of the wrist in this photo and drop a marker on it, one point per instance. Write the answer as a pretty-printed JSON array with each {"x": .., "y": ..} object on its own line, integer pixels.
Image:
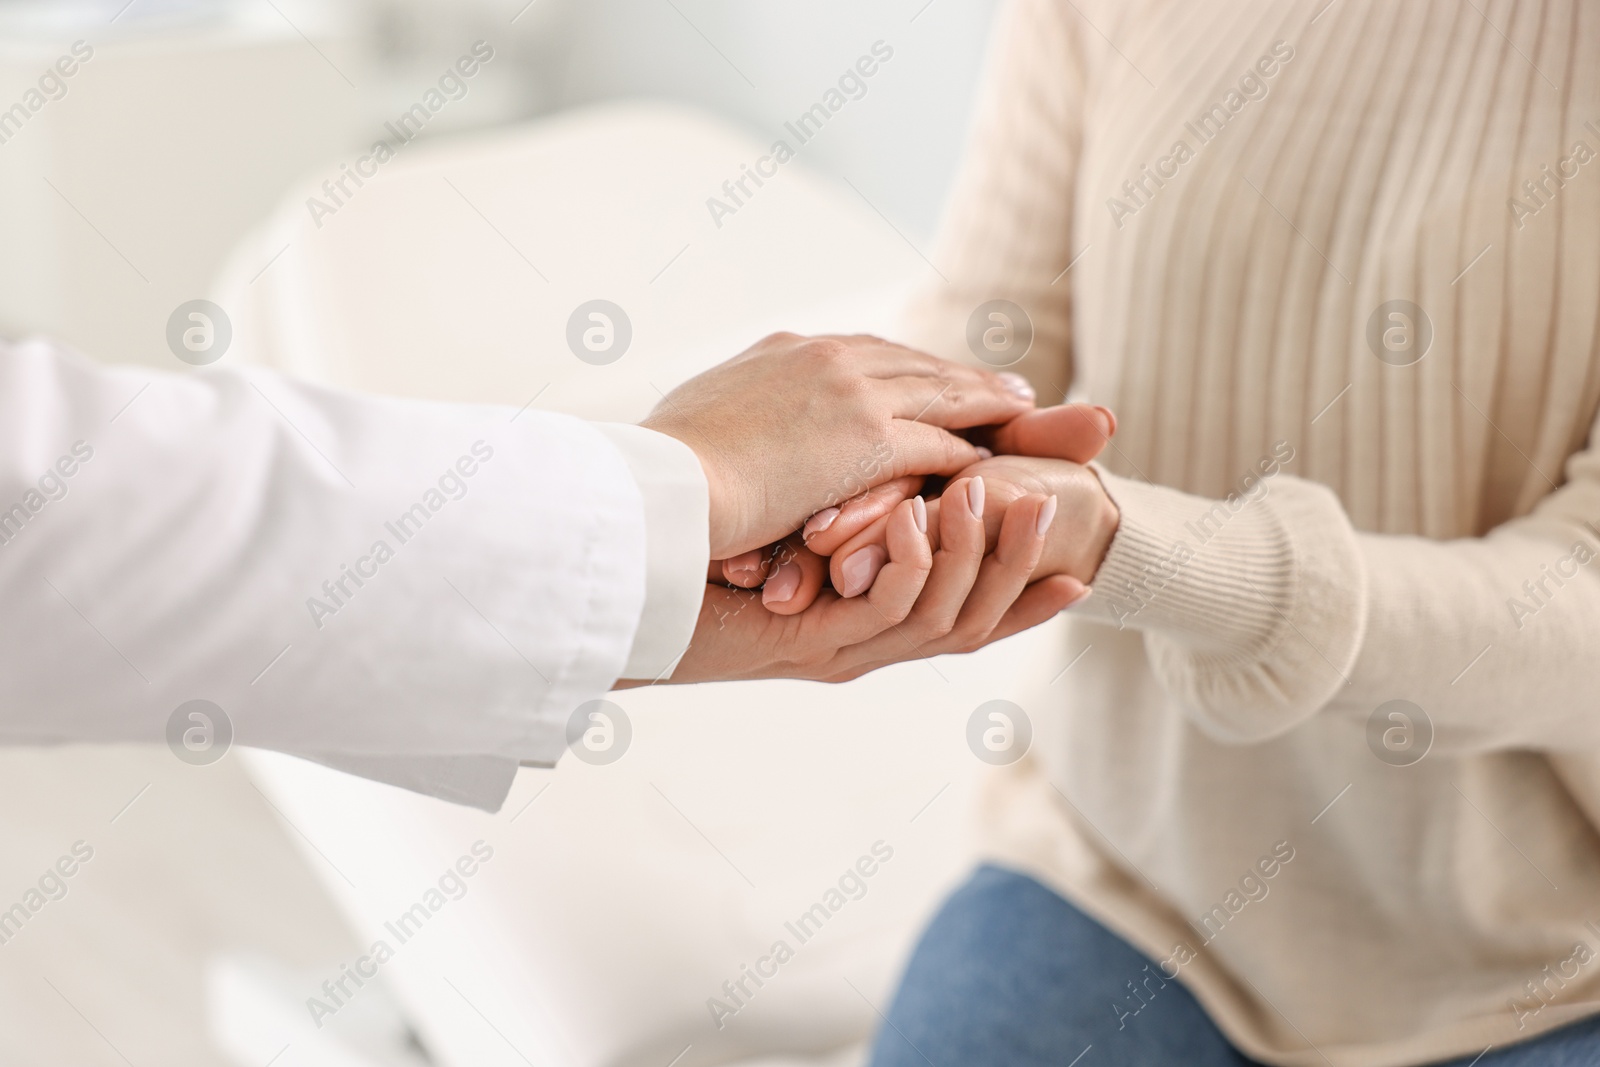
[
  {"x": 720, "y": 528},
  {"x": 1102, "y": 531},
  {"x": 720, "y": 525},
  {"x": 1077, "y": 546}
]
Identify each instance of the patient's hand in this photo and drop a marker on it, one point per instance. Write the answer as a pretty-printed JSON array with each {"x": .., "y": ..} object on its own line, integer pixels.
[
  {"x": 1085, "y": 520},
  {"x": 1076, "y": 432},
  {"x": 936, "y": 591},
  {"x": 852, "y": 533}
]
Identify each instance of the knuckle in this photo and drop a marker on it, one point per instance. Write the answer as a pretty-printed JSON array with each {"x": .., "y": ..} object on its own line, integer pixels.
[
  {"x": 973, "y": 638},
  {"x": 815, "y": 657},
  {"x": 864, "y": 339},
  {"x": 828, "y": 351},
  {"x": 810, "y": 666},
  {"x": 853, "y": 395},
  {"x": 960, "y": 636},
  {"x": 937, "y": 625}
]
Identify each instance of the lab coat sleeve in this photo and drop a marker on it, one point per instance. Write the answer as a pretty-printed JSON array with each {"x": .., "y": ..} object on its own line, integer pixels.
[
  {"x": 393, "y": 586},
  {"x": 677, "y": 511}
]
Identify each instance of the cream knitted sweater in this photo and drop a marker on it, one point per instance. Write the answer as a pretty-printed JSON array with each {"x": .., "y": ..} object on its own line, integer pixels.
[{"x": 1206, "y": 209}]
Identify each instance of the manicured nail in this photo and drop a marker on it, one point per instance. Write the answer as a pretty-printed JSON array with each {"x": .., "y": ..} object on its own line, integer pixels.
[
  {"x": 781, "y": 587},
  {"x": 745, "y": 563},
  {"x": 861, "y": 570},
  {"x": 975, "y": 495},
  {"x": 984, "y": 453},
  {"x": 1108, "y": 420},
  {"x": 919, "y": 512},
  {"x": 1047, "y": 515},
  {"x": 1081, "y": 597},
  {"x": 819, "y": 522},
  {"x": 1017, "y": 385}
]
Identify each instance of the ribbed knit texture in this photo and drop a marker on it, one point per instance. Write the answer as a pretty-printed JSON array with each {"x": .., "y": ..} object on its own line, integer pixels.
[{"x": 1314, "y": 525}]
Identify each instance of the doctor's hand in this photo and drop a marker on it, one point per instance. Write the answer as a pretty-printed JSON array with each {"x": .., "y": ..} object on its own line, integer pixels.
[
  {"x": 795, "y": 425},
  {"x": 925, "y": 601}
]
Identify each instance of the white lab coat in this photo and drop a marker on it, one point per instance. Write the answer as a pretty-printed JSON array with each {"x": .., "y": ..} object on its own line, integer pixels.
[{"x": 420, "y": 593}]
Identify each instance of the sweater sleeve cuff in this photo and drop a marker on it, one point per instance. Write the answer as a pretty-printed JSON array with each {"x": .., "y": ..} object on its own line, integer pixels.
[
  {"x": 1207, "y": 572},
  {"x": 677, "y": 512},
  {"x": 1252, "y": 606}
]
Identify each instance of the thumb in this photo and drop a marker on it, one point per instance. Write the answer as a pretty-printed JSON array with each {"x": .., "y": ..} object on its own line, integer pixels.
[{"x": 1076, "y": 432}]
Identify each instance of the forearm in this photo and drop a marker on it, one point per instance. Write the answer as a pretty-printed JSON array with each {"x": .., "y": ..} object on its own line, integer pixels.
[
  {"x": 341, "y": 574},
  {"x": 1492, "y": 637},
  {"x": 1260, "y": 613}
]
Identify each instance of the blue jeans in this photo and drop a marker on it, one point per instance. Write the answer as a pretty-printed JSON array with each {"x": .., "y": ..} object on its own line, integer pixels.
[{"x": 1010, "y": 974}]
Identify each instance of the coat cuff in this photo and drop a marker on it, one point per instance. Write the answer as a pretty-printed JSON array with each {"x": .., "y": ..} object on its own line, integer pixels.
[{"x": 677, "y": 511}]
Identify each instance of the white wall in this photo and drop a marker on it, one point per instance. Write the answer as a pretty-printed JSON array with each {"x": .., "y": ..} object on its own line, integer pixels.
[{"x": 899, "y": 144}]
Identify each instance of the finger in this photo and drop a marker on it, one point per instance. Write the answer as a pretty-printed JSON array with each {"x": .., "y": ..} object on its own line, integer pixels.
[
  {"x": 796, "y": 578},
  {"x": 1005, "y": 573},
  {"x": 903, "y": 578},
  {"x": 917, "y": 448},
  {"x": 948, "y": 389},
  {"x": 853, "y": 579},
  {"x": 828, "y": 529},
  {"x": 1076, "y": 432},
  {"x": 852, "y": 575},
  {"x": 896, "y": 361},
  {"x": 877, "y": 357},
  {"x": 1040, "y": 602},
  {"x": 746, "y": 570},
  {"x": 955, "y": 564},
  {"x": 955, "y": 399},
  {"x": 955, "y": 567},
  {"x": 900, "y": 582},
  {"x": 853, "y": 568}
]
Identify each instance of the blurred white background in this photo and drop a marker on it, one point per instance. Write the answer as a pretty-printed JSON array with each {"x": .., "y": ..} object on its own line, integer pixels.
[
  {"x": 178, "y": 140},
  {"x": 119, "y": 200}
]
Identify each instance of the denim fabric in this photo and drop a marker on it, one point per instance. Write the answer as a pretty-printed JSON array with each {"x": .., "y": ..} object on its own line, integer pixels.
[{"x": 1012, "y": 975}]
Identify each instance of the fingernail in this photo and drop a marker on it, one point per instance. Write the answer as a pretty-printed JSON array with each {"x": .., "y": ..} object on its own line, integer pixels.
[
  {"x": 919, "y": 512},
  {"x": 1047, "y": 515},
  {"x": 1108, "y": 420},
  {"x": 781, "y": 587},
  {"x": 744, "y": 563},
  {"x": 975, "y": 495},
  {"x": 819, "y": 522},
  {"x": 1017, "y": 385},
  {"x": 1088, "y": 592},
  {"x": 984, "y": 453},
  {"x": 861, "y": 569}
]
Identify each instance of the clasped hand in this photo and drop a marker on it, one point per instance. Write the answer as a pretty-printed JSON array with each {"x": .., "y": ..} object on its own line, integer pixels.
[{"x": 826, "y": 563}]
